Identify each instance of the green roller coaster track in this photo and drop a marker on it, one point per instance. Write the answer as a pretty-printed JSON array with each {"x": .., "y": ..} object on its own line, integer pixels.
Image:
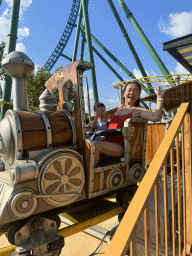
[{"x": 83, "y": 29}]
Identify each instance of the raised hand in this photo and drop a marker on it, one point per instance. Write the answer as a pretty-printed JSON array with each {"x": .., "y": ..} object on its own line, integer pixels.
[{"x": 159, "y": 92}]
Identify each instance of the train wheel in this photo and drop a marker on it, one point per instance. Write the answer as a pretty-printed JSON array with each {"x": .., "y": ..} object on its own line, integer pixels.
[
  {"x": 55, "y": 218},
  {"x": 56, "y": 245},
  {"x": 12, "y": 230},
  {"x": 124, "y": 196}
]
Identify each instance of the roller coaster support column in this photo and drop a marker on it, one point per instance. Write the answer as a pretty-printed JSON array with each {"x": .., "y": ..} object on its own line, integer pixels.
[
  {"x": 83, "y": 45},
  {"x": 89, "y": 46},
  {"x": 74, "y": 58},
  {"x": 144, "y": 38},
  {"x": 127, "y": 39},
  {"x": 115, "y": 73},
  {"x": 12, "y": 37},
  {"x": 116, "y": 60}
]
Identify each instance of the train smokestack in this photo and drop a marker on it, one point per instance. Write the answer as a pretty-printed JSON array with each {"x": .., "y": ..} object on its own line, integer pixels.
[{"x": 18, "y": 66}]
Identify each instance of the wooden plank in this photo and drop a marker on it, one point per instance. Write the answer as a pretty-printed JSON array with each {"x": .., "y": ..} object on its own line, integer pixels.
[
  {"x": 184, "y": 50},
  {"x": 165, "y": 209},
  {"x": 147, "y": 230},
  {"x": 123, "y": 235},
  {"x": 133, "y": 247},
  {"x": 188, "y": 175},
  {"x": 178, "y": 158},
  {"x": 157, "y": 217},
  {"x": 188, "y": 57},
  {"x": 155, "y": 135},
  {"x": 184, "y": 189},
  {"x": 173, "y": 198}
]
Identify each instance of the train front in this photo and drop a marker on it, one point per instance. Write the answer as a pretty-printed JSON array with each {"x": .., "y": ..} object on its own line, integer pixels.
[{"x": 40, "y": 168}]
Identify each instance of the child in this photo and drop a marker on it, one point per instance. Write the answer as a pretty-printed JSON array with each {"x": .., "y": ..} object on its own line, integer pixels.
[{"x": 99, "y": 122}]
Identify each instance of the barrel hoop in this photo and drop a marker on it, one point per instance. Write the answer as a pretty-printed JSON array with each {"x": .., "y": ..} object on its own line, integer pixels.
[
  {"x": 47, "y": 127},
  {"x": 18, "y": 135},
  {"x": 72, "y": 125}
]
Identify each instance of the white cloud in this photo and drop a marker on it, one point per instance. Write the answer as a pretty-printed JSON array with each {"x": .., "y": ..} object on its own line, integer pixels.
[
  {"x": 137, "y": 73},
  {"x": 91, "y": 100},
  {"x": 180, "y": 69},
  {"x": 23, "y": 32},
  {"x": 20, "y": 47},
  {"x": 37, "y": 66},
  {"x": 9, "y": 2},
  {"x": 110, "y": 99},
  {"x": 176, "y": 25},
  {"x": 23, "y": 5},
  {"x": 113, "y": 101},
  {"x": 4, "y": 25}
]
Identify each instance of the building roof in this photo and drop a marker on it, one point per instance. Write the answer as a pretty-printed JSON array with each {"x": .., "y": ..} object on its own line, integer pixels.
[{"x": 181, "y": 50}]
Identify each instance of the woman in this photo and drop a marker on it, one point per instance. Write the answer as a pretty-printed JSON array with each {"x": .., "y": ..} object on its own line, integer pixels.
[{"x": 113, "y": 146}]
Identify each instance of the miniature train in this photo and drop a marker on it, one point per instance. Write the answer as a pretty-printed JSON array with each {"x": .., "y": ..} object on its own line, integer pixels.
[{"x": 47, "y": 159}]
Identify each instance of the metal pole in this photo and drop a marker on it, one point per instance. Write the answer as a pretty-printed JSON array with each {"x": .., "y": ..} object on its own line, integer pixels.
[
  {"x": 90, "y": 50},
  {"x": 144, "y": 39},
  {"x": 66, "y": 57},
  {"x": 121, "y": 95},
  {"x": 12, "y": 37},
  {"x": 177, "y": 80},
  {"x": 77, "y": 34},
  {"x": 116, "y": 61},
  {"x": 108, "y": 65},
  {"x": 82, "y": 45},
  {"x": 131, "y": 47},
  {"x": 114, "y": 72}
]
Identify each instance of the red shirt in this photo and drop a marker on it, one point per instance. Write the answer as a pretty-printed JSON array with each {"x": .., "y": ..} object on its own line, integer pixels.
[{"x": 115, "y": 123}]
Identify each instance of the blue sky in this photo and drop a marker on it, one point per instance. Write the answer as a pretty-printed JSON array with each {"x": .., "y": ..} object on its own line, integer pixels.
[{"x": 42, "y": 23}]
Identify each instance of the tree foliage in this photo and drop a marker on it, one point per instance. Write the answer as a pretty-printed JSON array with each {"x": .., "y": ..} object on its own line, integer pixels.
[
  {"x": 70, "y": 93},
  {"x": 35, "y": 85},
  {"x": 2, "y": 53}
]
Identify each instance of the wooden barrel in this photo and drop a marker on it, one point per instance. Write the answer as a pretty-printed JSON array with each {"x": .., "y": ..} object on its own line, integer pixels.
[{"x": 34, "y": 130}]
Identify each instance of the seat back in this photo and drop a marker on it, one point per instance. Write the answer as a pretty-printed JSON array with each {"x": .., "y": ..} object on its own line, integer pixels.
[{"x": 117, "y": 173}]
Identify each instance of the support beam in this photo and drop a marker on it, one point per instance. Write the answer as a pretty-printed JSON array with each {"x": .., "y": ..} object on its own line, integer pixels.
[
  {"x": 131, "y": 47},
  {"x": 90, "y": 50},
  {"x": 114, "y": 72},
  {"x": 116, "y": 60},
  {"x": 74, "y": 58},
  {"x": 12, "y": 38},
  {"x": 66, "y": 57},
  {"x": 82, "y": 45},
  {"x": 145, "y": 40}
]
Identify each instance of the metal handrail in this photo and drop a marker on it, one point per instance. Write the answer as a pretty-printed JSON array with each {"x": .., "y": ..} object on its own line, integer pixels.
[{"x": 183, "y": 78}]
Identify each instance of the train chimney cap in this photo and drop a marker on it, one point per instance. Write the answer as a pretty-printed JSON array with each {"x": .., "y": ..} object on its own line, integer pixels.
[{"x": 17, "y": 64}]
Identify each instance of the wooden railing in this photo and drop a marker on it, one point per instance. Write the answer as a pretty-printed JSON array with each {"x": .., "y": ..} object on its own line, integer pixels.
[{"x": 166, "y": 188}]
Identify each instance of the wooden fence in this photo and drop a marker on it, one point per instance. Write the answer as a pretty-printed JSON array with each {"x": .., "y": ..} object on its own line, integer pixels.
[{"x": 170, "y": 170}]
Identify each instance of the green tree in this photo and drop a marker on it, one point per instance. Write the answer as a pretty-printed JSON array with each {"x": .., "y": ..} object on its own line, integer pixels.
[
  {"x": 2, "y": 53},
  {"x": 35, "y": 85},
  {"x": 70, "y": 93}
]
